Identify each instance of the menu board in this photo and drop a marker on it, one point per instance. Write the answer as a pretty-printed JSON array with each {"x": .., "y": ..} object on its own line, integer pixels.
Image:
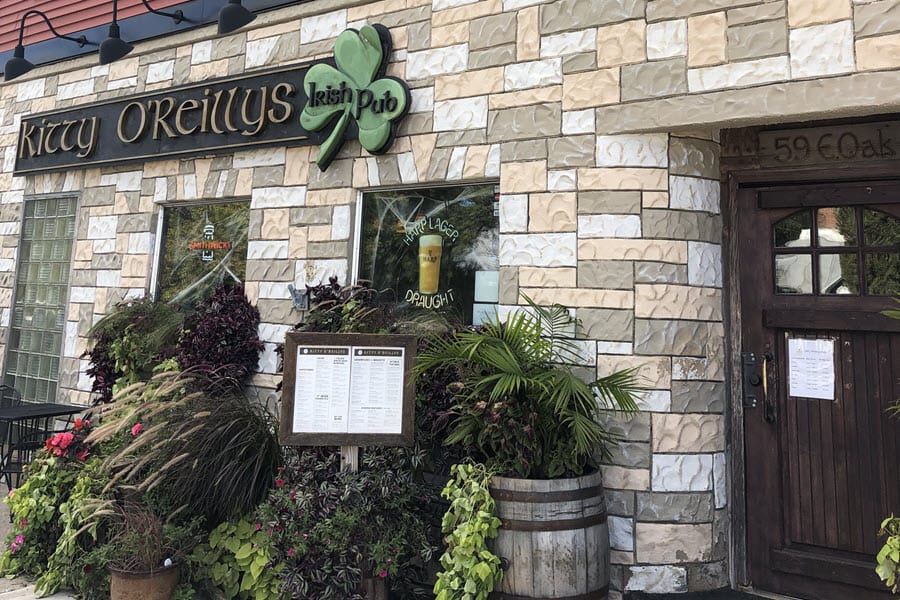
[{"x": 347, "y": 389}]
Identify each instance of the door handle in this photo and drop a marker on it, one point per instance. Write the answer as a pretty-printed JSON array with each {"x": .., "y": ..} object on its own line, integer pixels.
[
  {"x": 770, "y": 413},
  {"x": 755, "y": 375}
]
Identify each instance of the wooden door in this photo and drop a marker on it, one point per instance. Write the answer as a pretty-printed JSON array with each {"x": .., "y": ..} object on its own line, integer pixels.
[{"x": 819, "y": 263}]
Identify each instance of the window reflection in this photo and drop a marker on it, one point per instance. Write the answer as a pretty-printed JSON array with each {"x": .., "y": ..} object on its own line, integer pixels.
[
  {"x": 793, "y": 231},
  {"x": 793, "y": 274},
  {"x": 838, "y": 274}
]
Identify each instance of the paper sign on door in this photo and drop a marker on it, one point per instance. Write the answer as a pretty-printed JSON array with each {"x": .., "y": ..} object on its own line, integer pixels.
[{"x": 811, "y": 368}]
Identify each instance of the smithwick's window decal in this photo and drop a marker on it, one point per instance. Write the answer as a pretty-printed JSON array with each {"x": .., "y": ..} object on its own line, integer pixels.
[
  {"x": 435, "y": 248},
  {"x": 304, "y": 104},
  {"x": 203, "y": 245}
]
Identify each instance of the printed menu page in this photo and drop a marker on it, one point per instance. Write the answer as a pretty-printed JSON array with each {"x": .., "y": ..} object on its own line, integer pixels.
[
  {"x": 349, "y": 389},
  {"x": 811, "y": 368}
]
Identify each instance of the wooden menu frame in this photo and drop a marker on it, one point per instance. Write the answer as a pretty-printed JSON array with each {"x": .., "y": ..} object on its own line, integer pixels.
[{"x": 305, "y": 435}]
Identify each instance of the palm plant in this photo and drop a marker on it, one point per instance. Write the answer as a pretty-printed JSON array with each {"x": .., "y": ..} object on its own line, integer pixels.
[{"x": 523, "y": 406}]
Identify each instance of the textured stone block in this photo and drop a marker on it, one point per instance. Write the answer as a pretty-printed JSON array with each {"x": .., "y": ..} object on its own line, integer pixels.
[
  {"x": 470, "y": 83},
  {"x": 621, "y": 533},
  {"x": 655, "y": 401},
  {"x": 679, "y": 338},
  {"x": 706, "y": 39},
  {"x": 683, "y": 433},
  {"x": 810, "y": 12},
  {"x": 622, "y": 178},
  {"x": 492, "y": 57},
  {"x": 757, "y": 40},
  {"x": 666, "y": 39},
  {"x": 822, "y": 49},
  {"x": 465, "y": 113},
  {"x": 721, "y": 527},
  {"x": 707, "y": 576},
  {"x": 619, "y": 502},
  {"x": 544, "y": 277},
  {"x": 623, "y": 478},
  {"x": 712, "y": 368},
  {"x": 552, "y": 212},
  {"x": 540, "y": 120},
  {"x": 672, "y": 507},
  {"x": 682, "y": 473},
  {"x": 633, "y": 249},
  {"x": 656, "y": 579},
  {"x": 509, "y": 285},
  {"x": 569, "y": 15},
  {"x": 523, "y": 150},
  {"x": 531, "y": 74},
  {"x": 609, "y": 202},
  {"x": 578, "y": 63},
  {"x": 631, "y": 454},
  {"x": 572, "y": 42},
  {"x": 876, "y": 18},
  {"x": 315, "y": 272},
  {"x": 524, "y": 177},
  {"x": 654, "y": 79},
  {"x": 437, "y": 61},
  {"x": 654, "y": 372},
  {"x": 579, "y": 297},
  {"x": 513, "y": 213},
  {"x": 622, "y": 44},
  {"x": 571, "y": 151},
  {"x": 704, "y": 264},
  {"x": 741, "y": 74},
  {"x": 672, "y": 543},
  {"x": 609, "y": 274},
  {"x": 539, "y": 250},
  {"x": 594, "y": 88},
  {"x": 681, "y": 225},
  {"x": 694, "y": 157},
  {"x": 655, "y": 272},
  {"x": 694, "y": 193},
  {"x": 609, "y": 226},
  {"x": 660, "y": 301},
  {"x": 882, "y": 52},
  {"x": 637, "y": 150},
  {"x": 720, "y": 479},
  {"x": 276, "y": 197},
  {"x": 492, "y": 30},
  {"x": 760, "y": 11},
  {"x": 698, "y": 396}
]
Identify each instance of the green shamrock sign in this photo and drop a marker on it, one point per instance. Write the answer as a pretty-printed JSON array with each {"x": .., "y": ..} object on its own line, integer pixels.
[{"x": 357, "y": 89}]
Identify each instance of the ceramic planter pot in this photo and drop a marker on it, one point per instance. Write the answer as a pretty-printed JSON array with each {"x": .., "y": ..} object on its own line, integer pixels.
[{"x": 145, "y": 585}]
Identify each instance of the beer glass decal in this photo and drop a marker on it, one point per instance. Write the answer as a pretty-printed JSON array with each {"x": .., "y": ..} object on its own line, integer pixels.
[{"x": 430, "y": 249}]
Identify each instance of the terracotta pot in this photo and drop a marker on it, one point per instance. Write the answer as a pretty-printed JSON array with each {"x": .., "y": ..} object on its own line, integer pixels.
[{"x": 145, "y": 585}]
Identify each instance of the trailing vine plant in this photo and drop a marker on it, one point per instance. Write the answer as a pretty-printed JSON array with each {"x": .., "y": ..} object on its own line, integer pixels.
[{"x": 471, "y": 570}]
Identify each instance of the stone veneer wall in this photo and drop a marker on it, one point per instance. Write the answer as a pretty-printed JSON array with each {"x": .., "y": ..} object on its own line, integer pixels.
[{"x": 624, "y": 228}]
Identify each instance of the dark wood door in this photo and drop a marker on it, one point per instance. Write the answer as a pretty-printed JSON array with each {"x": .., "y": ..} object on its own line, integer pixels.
[{"x": 819, "y": 263}]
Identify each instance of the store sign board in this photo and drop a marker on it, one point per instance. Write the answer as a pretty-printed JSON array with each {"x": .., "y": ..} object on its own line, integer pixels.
[
  {"x": 322, "y": 103},
  {"x": 829, "y": 145},
  {"x": 348, "y": 390}
]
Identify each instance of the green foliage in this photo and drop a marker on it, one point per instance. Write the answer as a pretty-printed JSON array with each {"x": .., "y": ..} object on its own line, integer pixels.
[
  {"x": 523, "y": 409},
  {"x": 888, "y": 557},
  {"x": 331, "y": 526},
  {"x": 470, "y": 570},
  {"x": 239, "y": 560}
]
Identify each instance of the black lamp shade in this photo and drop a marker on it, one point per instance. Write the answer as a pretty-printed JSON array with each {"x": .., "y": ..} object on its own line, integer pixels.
[
  {"x": 17, "y": 65},
  {"x": 233, "y": 16},
  {"x": 114, "y": 47}
]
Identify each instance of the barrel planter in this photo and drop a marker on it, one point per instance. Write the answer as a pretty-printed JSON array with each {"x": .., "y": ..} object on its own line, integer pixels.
[{"x": 554, "y": 538}]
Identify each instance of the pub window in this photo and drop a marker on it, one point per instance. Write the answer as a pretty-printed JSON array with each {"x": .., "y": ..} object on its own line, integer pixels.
[
  {"x": 39, "y": 310},
  {"x": 434, "y": 248},
  {"x": 847, "y": 250},
  {"x": 202, "y": 246}
]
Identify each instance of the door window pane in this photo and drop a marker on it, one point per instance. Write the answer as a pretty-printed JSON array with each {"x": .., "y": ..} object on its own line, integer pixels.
[
  {"x": 435, "y": 248},
  {"x": 836, "y": 226},
  {"x": 880, "y": 229},
  {"x": 883, "y": 274},
  {"x": 38, "y": 321},
  {"x": 203, "y": 245},
  {"x": 793, "y": 274},
  {"x": 793, "y": 231},
  {"x": 838, "y": 274}
]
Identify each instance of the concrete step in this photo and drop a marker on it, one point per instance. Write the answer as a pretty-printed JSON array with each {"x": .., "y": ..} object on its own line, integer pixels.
[{"x": 27, "y": 593}]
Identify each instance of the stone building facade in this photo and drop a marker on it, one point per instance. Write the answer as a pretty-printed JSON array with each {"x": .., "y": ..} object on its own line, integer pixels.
[{"x": 601, "y": 123}]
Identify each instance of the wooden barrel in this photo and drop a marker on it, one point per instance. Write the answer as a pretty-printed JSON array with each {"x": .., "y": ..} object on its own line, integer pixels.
[{"x": 554, "y": 537}]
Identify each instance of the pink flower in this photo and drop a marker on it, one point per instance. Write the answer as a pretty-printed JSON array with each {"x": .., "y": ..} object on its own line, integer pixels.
[
  {"x": 65, "y": 439},
  {"x": 136, "y": 429},
  {"x": 83, "y": 454},
  {"x": 23, "y": 523},
  {"x": 258, "y": 526},
  {"x": 383, "y": 573},
  {"x": 291, "y": 552},
  {"x": 78, "y": 423},
  {"x": 279, "y": 483}
]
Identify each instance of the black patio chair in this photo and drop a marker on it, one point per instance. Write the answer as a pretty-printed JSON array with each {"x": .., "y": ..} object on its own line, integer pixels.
[{"x": 26, "y": 442}]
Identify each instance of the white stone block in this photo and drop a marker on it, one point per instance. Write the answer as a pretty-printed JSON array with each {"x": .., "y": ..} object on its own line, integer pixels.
[
  {"x": 562, "y": 180},
  {"x": 682, "y": 473},
  {"x": 259, "y": 52},
  {"x": 100, "y": 228},
  {"x": 511, "y": 5},
  {"x": 406, "y": 163},
  {"x": 29, "y": 90},
  {"x": 372, "y": 171},
  {"x": 189, "y": 185},
  {"x": 268, "y": 359},
  {"x": 582, "y": 353},
  {"x": 621, "y": 348},
  {"x": 569, "y": 43},
  {"x": 201, "y": 52},
  {"x": 445, "y": 4},
  {"x": 85, "y": 382},
  {"x": 278, "y": 197},
  {"x": 422, "y": 100},
  {"x": 273, "y": 332},
  {"x": 513, "y": 213},
  {"x": 140, "y": 243},
  {"x": 340, "y": 222},
  {"x": 264, "y": 157},
  {"x": 161, "y": 71},
  {"x": 100, "y": 71},
  {"x": 720, "y": 479},
  {"x": 532, "y": 74},
  {"x": 609, "y": 226},
  {"x": 655, "y": 401},
  {"x": 636, "y": 150},
  {"x": 9, "y": 228},
  {"x": 577, "y": 121},
  {"x": 7, "y": 265},
  {"x": 120, "y": 84},
  {"x": 621, "y": 533},
  {"x": 664, "y": 579},
  {"x": 71, "y": 338},
  {"x": 694, "y": 193},
  {"x": 492, "y": 166},
  {"x": 5, "y": 317},
  {"x": 127, "y": 181},
  {"x": 539, "y": 250},
  {"x": 82, "y": 295},
  {"x": 76, "y": 89},
  {"x": 274, "y": 290},
  {"x": 437, "y": 61},
  {"x": 105, "y": 246},
  {"x": 267, "y": 250},
  {"x": 457, "y": 163},
  {"x": 316, "y": 271},
  {"x": 13, "y": 197},
  {"x": 667, "y": 39},
  {"x": 465, "y": 113},
  {"x": 109, "y": 278},
  {"x": 704, "y": 264},
  {"x": 739, "y": 74},
  {"x": 822, "y": 50},
  {"x": 322, "y": 27}
]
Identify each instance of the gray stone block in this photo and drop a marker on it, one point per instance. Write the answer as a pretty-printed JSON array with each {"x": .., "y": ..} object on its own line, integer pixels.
[
  {"x": 674, "y": 507},
  {"x": 571, "y": 151},
  {"x": 659, "y": 10},
  {"x": 262, "y": 177},
  {"x": 635, "y": 428},
  {"x": 388, "y": 169},
  {"x": 619, "y": 502},
  {"x": 106, "y": 261},
  {"x": 277, "y": 311},
  {"x": 338, "y": 174},
  {"x": 311, "y": 215},
  {"x": 757, "y": 40},
  {"x": 270, "y": 270},
  {"x": 99, "y": 196},
  {"x": 631, "y": 454},
  {"x": 567, "y": 15},
  {"x": 327, "y": 250},
  {"x": 469, "y": 137},
  {"x": 418, "y": 36},
  {"x": 525, "y": 122},
  {"x": 440, "y": 162},
  {"x": 654, "y": 79},
  {"x": 707, "y": 576},
  {"x": 606, "y": 274},
  {"x": 655, "y": 272},
  {"x": 656, "y": 337},
  {"x": 494, "y": 30},
  {"x": 876, "y": 18},
  {"x": 496, "y": 56},
  {"x": 681, "y": 225},
  {"x": 698, "y": 396},
  {"x": 694, "y": 157},
  {"x": 763, "y": 11},
  {"x": 578, "y": 63},
  {"x": 607, "y": 324},
  {"x": 524, "y": 150},
  {"x": 134, "y": 223},
  {"x": 606, "y": 202},
  {"x": 509, "y": 285},
  {"x": 720, "y": 535}
]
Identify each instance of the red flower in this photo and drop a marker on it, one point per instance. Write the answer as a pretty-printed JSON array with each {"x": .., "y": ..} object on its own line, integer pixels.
[
  {"x": 65, "y": 439},
  {"x": 78, "y": 423},
  {"x": 83, "y": 454},
  {"x": 136, "y": 429},
  {"x": 279, "y": 483},
  {"x": 290, "y": 552},
  {"x": 383, "y": 573}
]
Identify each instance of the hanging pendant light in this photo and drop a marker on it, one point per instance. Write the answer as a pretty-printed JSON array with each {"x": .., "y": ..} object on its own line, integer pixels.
[
  {"x": 18, "y": 65},
  {"x": 114, "y": 47},
  {"x": 233, "y": 16}
]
